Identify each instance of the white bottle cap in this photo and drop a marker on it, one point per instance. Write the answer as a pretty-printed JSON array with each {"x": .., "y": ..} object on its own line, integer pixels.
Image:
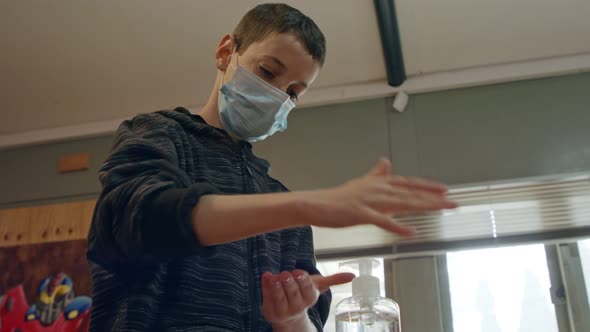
[{"x": 365, "y": 285}]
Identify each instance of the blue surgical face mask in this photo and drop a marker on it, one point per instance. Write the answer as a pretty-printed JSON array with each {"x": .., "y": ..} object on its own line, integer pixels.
[{"x": 250, "y": 108}]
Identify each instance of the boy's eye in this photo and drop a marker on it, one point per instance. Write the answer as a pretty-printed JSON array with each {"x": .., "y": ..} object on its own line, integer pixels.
[{"x": 266, "y": 73}]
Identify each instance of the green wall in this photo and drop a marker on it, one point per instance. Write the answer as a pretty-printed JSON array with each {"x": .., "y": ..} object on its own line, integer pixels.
[
  {"x": 505, "y": 131},
  {"x": 515, "y": 130}
]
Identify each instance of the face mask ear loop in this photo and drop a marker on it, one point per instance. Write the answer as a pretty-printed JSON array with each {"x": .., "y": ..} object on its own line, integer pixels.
[{"x": 230, "y": 63}]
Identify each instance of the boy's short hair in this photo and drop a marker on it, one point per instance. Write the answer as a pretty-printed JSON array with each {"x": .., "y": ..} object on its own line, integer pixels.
[{"x": 265, "y": 19}]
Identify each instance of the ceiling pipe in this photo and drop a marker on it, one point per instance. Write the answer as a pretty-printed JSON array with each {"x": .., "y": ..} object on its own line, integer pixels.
[{"x": 390, "y": 40}]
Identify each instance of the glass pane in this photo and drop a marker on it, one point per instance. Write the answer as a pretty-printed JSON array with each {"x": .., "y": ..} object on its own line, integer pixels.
[
  {"x": 341, "y": 292},
  {"x": 584, "y": 247},
  {"x": 501, "y": 290}
]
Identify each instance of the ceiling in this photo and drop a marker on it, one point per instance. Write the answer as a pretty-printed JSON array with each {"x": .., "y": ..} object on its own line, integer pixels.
[
  {"x": 453, "y": 34},
  {"x": 67, "y": 62}
]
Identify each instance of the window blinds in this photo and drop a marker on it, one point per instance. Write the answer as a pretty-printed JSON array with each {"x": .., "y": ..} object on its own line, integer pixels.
[{"x": 538, "y": 210}]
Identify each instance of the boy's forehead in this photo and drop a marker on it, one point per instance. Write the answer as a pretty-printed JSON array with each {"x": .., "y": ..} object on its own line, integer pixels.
[
  {"x": 279, "y": 44},
  {"x": 287, "y": 51}
]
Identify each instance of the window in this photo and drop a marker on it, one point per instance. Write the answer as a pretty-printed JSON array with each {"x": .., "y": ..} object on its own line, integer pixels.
[
  {"x": 584, "y": 248},
  {"x": 341, "y": 292},
  {"x": 501, "y": 290}
]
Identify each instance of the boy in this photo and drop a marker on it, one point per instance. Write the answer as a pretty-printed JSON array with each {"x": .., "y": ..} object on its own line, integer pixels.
[{"x": 191, "y": 234}]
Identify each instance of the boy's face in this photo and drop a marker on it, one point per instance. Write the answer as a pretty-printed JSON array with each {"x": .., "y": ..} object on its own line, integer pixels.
[{"x": 280, "y": 59}]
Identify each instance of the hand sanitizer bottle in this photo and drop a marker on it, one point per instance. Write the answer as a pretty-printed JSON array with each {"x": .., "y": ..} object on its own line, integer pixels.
[{"x": 366, "y": 310}]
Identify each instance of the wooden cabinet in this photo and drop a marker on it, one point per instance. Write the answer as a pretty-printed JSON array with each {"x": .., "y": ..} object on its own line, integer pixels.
[{"x": 45, "y": 223}]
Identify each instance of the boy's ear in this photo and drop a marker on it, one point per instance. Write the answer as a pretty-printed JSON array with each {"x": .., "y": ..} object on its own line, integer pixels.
[{"x": 224, "y": 51}]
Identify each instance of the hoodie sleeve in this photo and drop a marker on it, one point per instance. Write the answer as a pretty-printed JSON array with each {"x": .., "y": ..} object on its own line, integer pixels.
[{"x": 145, "y": 209}]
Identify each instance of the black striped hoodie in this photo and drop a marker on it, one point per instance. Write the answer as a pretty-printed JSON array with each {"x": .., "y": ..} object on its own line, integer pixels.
[{"x": 149, "y": 271}]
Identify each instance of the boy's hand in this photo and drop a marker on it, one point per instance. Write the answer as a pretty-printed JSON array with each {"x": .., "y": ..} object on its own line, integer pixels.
[
  {"x": 374, "y": 198},
  {"x": 287, "y": 296}
]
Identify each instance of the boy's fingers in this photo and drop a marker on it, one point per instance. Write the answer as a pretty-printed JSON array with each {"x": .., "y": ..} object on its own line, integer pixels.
[
  {"x": 266, "y": 292},
  {"x": 382, "y": 168},
  {"x": 324, "y": 283},
  {"x": 277, "y": 297},
  {"x": 293, "y": 294},
  {"x": 308, "y": 290},
  {"x": 418, "y": 184}
]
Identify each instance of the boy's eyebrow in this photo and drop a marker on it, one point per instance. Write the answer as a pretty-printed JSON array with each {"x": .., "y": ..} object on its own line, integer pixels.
[
  {"x": 283, "y": 67},
  {"x": 277, "y": 61}
]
